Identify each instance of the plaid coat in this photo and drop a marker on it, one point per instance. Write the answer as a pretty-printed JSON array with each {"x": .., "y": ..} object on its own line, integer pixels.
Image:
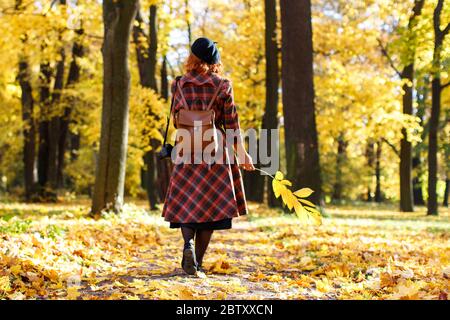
[{"x": 205, "y": 192}]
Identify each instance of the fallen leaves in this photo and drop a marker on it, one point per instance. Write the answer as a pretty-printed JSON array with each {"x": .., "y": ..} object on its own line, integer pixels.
[{"x": 265, "y": 256}]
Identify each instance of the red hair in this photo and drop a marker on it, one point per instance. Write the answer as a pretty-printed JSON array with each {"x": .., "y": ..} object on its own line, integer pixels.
[{"x": 195, "y": 64}]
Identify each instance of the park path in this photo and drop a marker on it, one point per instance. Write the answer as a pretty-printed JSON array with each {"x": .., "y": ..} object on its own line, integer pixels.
[{"x": 241, "y": 263}]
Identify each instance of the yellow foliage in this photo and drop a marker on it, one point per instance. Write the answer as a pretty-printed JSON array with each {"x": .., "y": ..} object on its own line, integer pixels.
[{"x": 293, "y": 200}]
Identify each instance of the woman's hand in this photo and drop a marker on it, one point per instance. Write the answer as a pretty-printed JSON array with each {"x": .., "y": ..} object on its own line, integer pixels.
[{"x": 246, "y": 162}]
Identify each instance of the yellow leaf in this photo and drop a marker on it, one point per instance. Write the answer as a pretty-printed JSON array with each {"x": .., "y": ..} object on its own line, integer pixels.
[
  {"x": 279, "y": 175},
  {"x": 16, "y": 269},
  {"x": 4, "y": 284},
  {"x": 323, "y": 285},
  {"x": 277, "y": 187},
  {"x": 307, "y": 202},
  {"x": 72, "y": 293},
  {"x": 315, "y": 215},
  {"x": 304, "y": 192}
]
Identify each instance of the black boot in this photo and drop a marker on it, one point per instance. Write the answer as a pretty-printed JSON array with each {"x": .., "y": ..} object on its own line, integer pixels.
[{"x": 189, "y": 263}]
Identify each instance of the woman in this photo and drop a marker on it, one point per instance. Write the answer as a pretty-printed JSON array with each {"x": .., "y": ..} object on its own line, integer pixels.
[{"x": 205, "y": 197}]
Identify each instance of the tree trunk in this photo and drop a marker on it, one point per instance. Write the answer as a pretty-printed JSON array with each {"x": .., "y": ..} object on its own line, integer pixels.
[
  {"x": 110, "y": 175},
  {"x": 164, "y": 167},
  {"x": 29, "y": 124},
  {"x": 439, "y": 35},
  {"x": 147, "y": 75},
  {"x": 164, "y": 81},
  {"x": 29, "y": 129},
  {"x": 417, "y": 182},
  {"x": 446, "y": 192},
  {"x": 254, "y": 185},
  {"x": 432, "y": 207},
  {"x": 43, "y": 155},
  {"x": 72, "y": 78},
  {"x": 370, "y": 155},
  {"x": 302, "y": 151},
  {"x": 188, "y": 22},
  {"x": 378, "y": 195},
  {"x": 406, "y": 193},
  {"x": 54, "y": 127},
  {"x": 270, "y": 120},
  {"x": 338, "y": 185},
  {"x": 417, "y": 163}
]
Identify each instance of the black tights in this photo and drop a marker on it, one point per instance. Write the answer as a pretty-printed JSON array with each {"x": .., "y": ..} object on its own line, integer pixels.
[{"x": 202, "y": 239}]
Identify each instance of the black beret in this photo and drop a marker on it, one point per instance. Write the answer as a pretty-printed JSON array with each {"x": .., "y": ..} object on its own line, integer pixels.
[{"x": 206, "y": 50}]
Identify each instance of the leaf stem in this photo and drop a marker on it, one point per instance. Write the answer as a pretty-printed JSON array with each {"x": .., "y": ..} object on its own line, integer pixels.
[{"x": 265, "y": 172}]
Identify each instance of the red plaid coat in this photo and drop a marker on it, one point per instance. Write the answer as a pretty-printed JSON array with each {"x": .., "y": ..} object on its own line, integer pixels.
[{"x": 205, "y": 192}]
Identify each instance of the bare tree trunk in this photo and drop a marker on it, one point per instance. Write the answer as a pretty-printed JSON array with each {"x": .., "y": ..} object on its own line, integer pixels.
[
  {"x": 436, "y": 89},
  {"x": 302, "y": 151},
  {"x": 118, "y": 18}
]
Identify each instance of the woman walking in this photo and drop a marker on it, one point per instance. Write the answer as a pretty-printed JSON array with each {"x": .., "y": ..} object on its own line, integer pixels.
[{"x": 204, "y": 197}]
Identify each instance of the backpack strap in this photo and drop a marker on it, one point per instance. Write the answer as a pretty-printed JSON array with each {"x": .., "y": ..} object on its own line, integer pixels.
[
  {"x": 183, "y": 99},
  {"x": 213, "y": 99},
  {"x": 215, "y": 94}
]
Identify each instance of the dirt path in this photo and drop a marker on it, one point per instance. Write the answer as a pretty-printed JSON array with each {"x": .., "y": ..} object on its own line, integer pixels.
[{"x": 236, "y": 267}]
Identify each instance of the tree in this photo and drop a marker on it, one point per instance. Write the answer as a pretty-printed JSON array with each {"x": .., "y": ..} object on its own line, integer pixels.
[
  {"x": 436, "y": 89},
  {"x": 118, "y": 17},
  {"x": 302, "y": 153},
  {"x": 408, "y": 45},
  {"x": 72, "y": 78},
  {"x": 29, "y": 130},
  {"x": 341, "y": 155},
  {"x": 270, "y": 120},
  {"x": 407, "y": 74},
  {"x": 45, "y": 76},
  {"x": 146, "y": 51}
]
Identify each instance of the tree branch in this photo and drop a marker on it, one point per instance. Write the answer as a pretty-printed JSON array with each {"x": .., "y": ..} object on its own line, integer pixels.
[
  {"x": 446, "y": 30},
  {"x": 445, "y": 85},
  {"x": 392, "y": 146},
  {"x": 388, "y": 57}
]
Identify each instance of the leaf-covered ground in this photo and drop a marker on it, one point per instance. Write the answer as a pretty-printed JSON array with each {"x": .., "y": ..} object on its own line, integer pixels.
[{"x": 57, "y": 252}]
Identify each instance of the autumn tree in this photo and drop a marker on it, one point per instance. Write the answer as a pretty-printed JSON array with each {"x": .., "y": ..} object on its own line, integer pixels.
[
  {"x": 436, "y": 89},
  {"x": 146, "y": 50},
  {"x": 302, "y": 153},
  {"x": 29, "y": 127},
  {"x": 407, "y": 74},
  {"x": 118, "y": 18}
]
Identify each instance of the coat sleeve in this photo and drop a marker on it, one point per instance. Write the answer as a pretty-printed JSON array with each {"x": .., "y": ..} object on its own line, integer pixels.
[{"x": 231, "y": 118}]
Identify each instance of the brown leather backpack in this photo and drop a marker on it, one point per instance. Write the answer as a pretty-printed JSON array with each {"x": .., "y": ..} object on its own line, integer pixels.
[{"x": 196, "y": 122}]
